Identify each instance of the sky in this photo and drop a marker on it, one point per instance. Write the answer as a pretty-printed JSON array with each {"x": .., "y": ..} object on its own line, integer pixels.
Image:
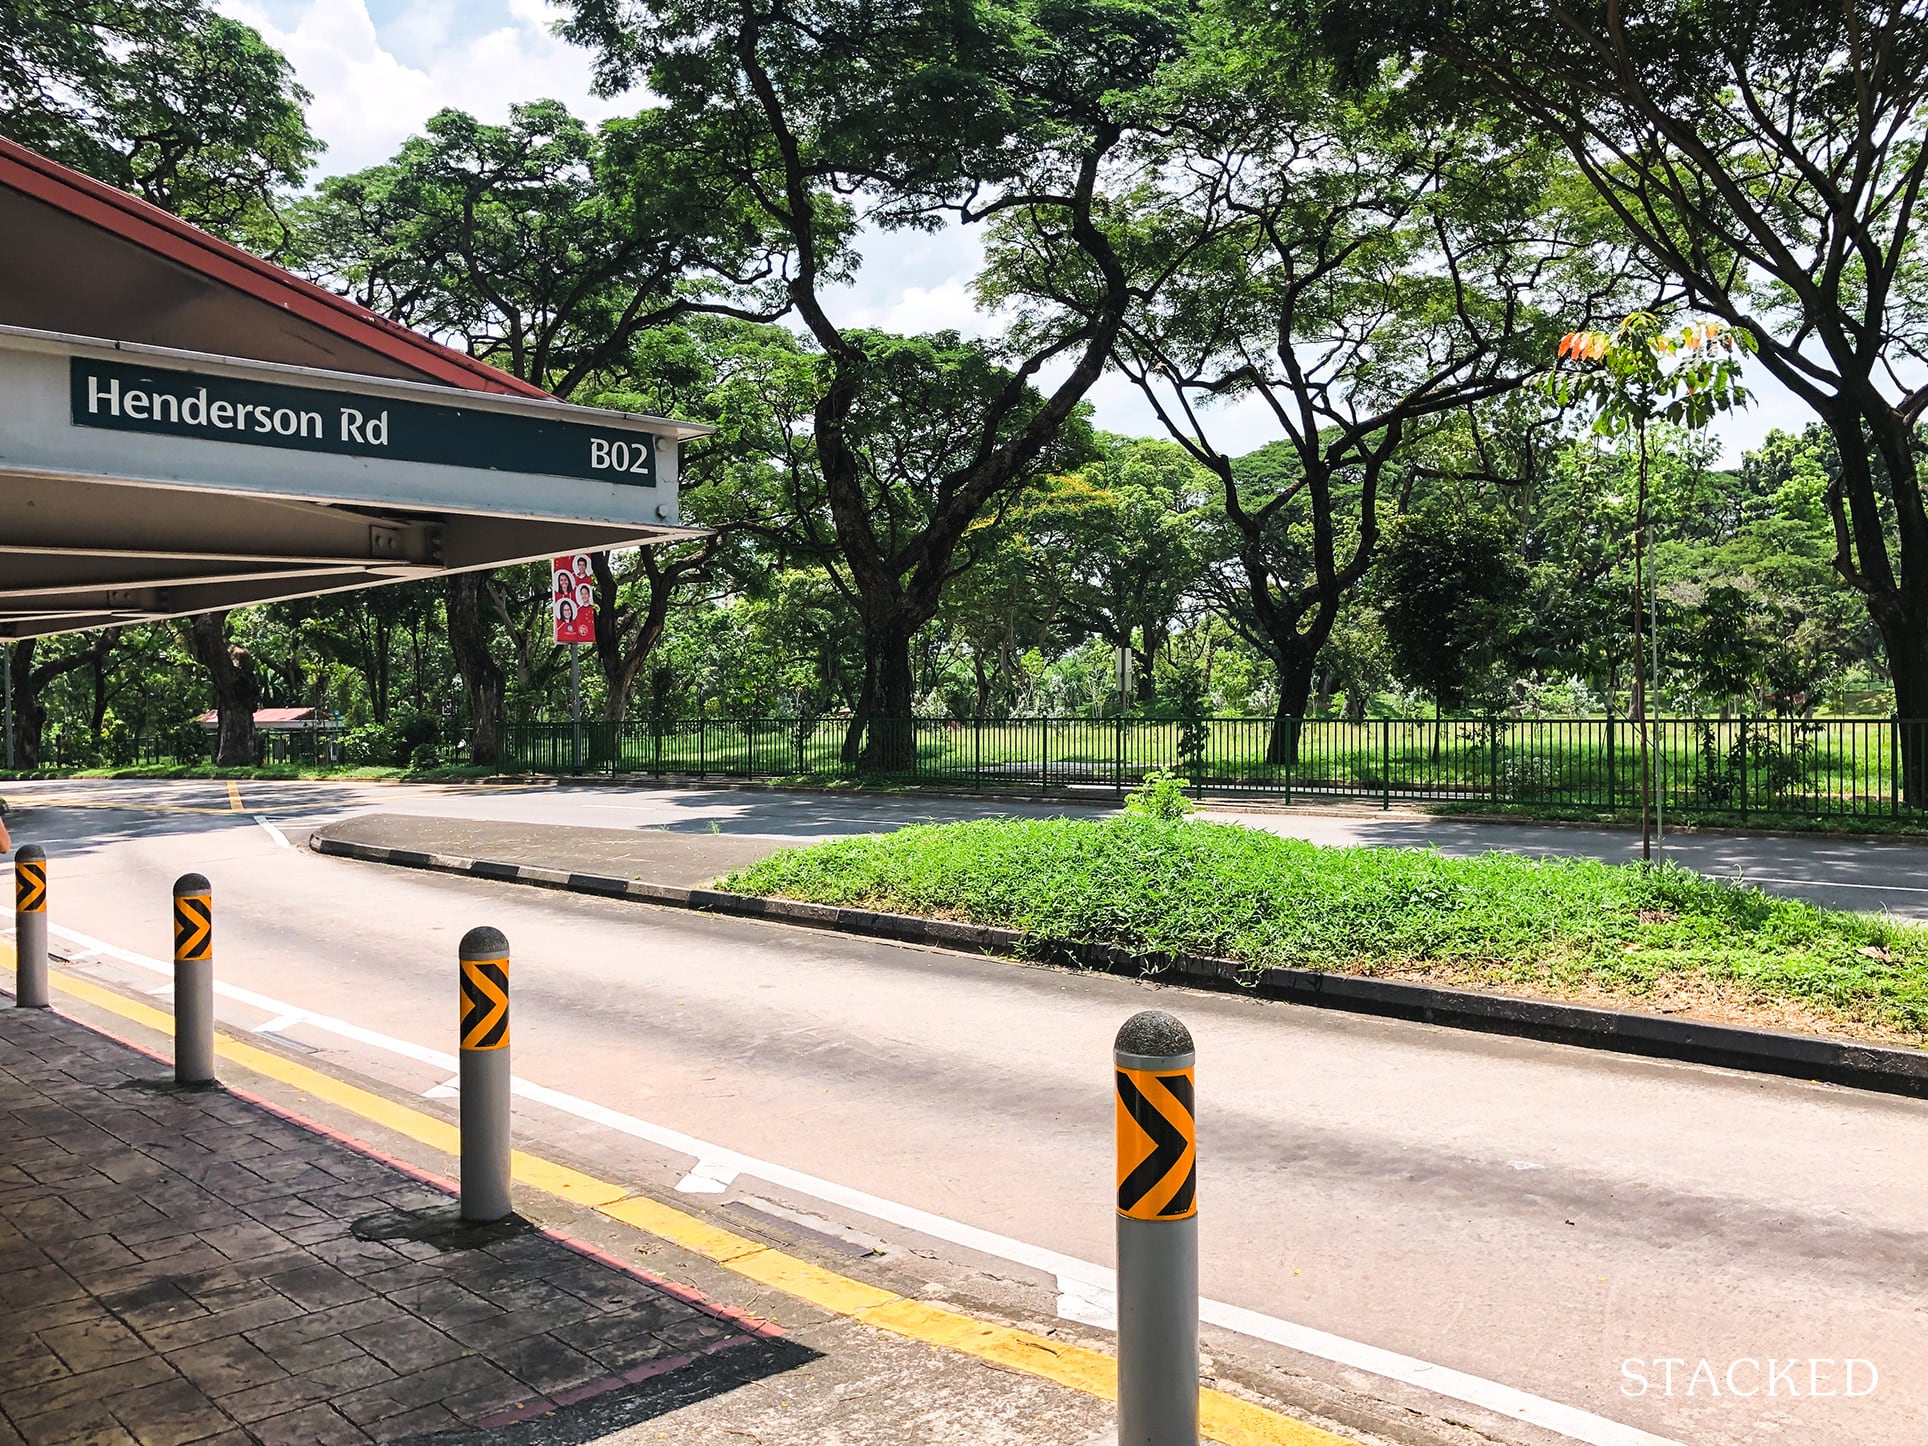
[{"x": 379, "y": 68}]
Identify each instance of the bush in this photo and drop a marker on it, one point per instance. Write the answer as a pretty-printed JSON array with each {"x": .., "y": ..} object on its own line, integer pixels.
[
  {"x": 367, "y": 746},
  {"x": 410, "y": 731},
  {"x": 1161, "y": 795},
  {"x": 1532, "y": 776}
]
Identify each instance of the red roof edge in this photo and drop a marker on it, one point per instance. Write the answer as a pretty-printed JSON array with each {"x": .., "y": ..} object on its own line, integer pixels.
[{"x": 168, "y": 235}]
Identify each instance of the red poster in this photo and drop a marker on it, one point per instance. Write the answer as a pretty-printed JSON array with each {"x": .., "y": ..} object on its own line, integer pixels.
[{"x": 573, "y": 601}]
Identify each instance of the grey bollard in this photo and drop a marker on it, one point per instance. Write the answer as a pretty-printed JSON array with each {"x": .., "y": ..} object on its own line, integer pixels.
[
  {"x": 1157, "y": 1233},
  {"x": 30, "y": 927},
  {"x": 193, "y": 980},
  {"x": 486, "y": 1141}
]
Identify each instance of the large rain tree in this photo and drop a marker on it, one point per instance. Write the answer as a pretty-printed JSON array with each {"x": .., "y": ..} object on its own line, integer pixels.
[
  {"x": 916, "y": 421},
  {"x": 164, "y": 98},
  {"x": 825, "y": 113},
  {"x": 1768, "y": 154},
  {"x": 550, "y": 250},
  {"x": 1363, "y": 274}
]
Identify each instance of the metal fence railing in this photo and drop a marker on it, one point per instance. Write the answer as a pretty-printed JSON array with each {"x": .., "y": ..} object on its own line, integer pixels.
[{"x": 1846, "y": 767}]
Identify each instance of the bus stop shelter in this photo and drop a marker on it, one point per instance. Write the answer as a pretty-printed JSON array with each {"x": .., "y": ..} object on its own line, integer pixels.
[{"x": 184, "y": 427}]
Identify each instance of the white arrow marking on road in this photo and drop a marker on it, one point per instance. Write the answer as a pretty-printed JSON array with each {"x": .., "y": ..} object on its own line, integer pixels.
[{"x": 1091, "y": 1289}]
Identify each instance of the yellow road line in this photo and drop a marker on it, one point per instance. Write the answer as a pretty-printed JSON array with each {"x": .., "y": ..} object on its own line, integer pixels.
[
  {"x": 43, "y": 800},
  {"x": 234, "y": 797},
  {"x": 1227, "y": 1419}
]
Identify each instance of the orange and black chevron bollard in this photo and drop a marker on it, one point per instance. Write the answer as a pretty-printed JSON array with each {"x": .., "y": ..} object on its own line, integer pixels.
[
  {"x": 30, "y": 927},
  {"x": 1153, "y": 1061},
  {"x": 193, "y": 980},
  {"x": 487, "y": 1141}
]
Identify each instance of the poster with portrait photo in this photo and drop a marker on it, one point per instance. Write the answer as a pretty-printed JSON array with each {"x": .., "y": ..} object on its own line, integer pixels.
[{"x": 573, "y": 599}]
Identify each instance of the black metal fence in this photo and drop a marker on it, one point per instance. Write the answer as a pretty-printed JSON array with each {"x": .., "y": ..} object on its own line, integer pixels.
[{"x": 1740, "y": 766}]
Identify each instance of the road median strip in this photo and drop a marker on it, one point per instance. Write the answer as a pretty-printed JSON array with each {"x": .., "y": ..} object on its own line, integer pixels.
[
  {"x": 1877, "y": 1068},
  {"x": 1225, "y": 1418}
]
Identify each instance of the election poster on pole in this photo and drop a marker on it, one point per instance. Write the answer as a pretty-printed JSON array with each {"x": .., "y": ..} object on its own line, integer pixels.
[{"x": 573, "y": 601}]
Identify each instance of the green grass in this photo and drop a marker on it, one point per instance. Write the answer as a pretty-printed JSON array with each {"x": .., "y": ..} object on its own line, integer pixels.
[
  {"x": 263, "y": 771},
  {"x": 1568, "y": 928}
]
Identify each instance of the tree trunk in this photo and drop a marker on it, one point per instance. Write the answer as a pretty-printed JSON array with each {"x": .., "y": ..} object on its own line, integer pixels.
[
  {"x": 1295, "y": 687},
  {"x": 1907, "y": 648},
  {"x": 237, "y": 690},
  {"x": 890, "y": 743},
  {"x": 29, "y": 713},
  {"x": 853, "y": 740},
  {"x": 1144, "y": 684},
  {"x": 1897, "y": 605},
  {"x": 482, "y": 677},
  {"x": 97, "y": 713}
]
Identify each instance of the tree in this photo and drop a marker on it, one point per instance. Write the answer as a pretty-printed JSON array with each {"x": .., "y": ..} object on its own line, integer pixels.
[
  {"x": 1123, "y": 546},
  {"x": 1371, "y": 276},
  {"x": 1631, "y": 378},
  {"x": 1449, "y": 583},
  {"x": 752, "y": 383},
  {"x": 237, "y": 688},
  {"x": 1768, "y": 155},
  {"x": 921, "y": 115},
  {"x": 30, "y": 680},
  {"x": 547, "y": 249},
  {"x": 164, "y": 98},
  {"x": 914, "y": 424}
]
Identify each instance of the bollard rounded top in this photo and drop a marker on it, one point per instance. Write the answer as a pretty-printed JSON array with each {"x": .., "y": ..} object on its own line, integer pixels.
[
  {"x": 1153, "y": 1034},
  {"x": 192, "y": 884},
  {"x": 483, "y": 942},
  {"x": 30, "y": 854}
]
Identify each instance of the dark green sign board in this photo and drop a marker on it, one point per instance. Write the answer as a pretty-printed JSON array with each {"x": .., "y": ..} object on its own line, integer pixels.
[{"x": 308, "y": 419}]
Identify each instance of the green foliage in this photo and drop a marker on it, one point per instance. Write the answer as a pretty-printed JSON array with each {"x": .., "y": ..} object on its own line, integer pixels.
[
  {"x": 1449, "y": 586},
  {"x": 164, "y": 98},
  {"x": 1641, "y": 374},
  {"x": 1159, "y": 795},
  {"x": 547, "y": 247},
  {"x": 1566, "y": 927},
  {"x": 1186, "y": 699}
]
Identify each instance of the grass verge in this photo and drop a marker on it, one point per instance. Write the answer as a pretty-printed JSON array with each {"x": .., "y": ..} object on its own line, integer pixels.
[
  {"x": 262, "y": 771},
  {"x": 1658, "y": 938}
]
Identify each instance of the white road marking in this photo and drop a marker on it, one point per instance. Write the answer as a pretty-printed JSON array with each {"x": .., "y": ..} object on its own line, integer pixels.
[
  {"x": 280, "y": 1022},
  {"x": 274, "y": 833},
  {"x": 1078, "y": 1300},
  {"x": 1831, "y": 884},
  {"x": 710, "y": 1177},
  {"x": 1091, "y": 1290}
]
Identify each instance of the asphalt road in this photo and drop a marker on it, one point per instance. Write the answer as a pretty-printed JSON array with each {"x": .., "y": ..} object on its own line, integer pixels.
[{"x": 1535, "y": 1216}]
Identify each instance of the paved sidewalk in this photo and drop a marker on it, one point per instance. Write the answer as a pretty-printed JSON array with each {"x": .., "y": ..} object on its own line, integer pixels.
[
  {"x": 659, "y": 856},
  {"x": 186, "y": 1266}
]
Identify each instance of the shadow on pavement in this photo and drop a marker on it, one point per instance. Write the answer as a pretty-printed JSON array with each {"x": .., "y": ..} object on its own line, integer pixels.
[{"x": 187, "y": 1265}]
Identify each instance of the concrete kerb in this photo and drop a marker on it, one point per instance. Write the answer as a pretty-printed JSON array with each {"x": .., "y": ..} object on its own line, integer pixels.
[{"x": 1879, "y": 1068}]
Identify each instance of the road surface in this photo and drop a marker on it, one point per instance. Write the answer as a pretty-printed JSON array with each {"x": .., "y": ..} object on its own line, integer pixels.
[{"x": 1544, "y": 1219}]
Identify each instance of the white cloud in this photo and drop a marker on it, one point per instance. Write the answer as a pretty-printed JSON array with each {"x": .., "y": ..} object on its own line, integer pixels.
[{"x": 367, "y": 101}]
